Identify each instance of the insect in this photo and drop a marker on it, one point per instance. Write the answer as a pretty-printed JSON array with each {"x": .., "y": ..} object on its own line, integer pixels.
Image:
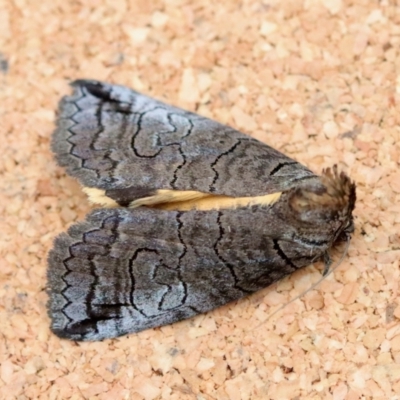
[{"x": 195, "y": 214}]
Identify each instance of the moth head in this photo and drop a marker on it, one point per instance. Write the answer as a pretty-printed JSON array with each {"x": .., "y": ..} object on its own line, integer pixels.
[{"x": 332, "y": 201}]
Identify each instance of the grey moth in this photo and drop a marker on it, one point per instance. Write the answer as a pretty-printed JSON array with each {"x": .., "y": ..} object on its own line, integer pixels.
[{"x": 194, "y": 214}]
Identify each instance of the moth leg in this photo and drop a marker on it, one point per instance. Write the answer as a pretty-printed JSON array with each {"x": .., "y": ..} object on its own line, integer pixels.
[{"x": 327, "y": 262}]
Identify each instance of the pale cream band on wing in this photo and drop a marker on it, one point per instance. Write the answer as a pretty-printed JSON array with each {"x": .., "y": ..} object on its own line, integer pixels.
[{"x": 184, "y": 200}]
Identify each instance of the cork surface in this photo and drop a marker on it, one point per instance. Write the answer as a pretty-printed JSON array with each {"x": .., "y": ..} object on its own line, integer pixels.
[{"x": 315, "y": 79}]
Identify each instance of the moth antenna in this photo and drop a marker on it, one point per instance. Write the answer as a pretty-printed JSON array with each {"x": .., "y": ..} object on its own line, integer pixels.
[{"x": 327, "y": 271}]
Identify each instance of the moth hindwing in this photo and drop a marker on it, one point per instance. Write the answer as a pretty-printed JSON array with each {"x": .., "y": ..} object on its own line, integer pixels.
[{"x": 196, "y": 214}]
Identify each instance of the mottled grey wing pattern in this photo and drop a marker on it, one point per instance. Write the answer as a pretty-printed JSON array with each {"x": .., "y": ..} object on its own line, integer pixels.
[
  {"x": 111, "y": 137},
  {"x": 126, "y": 270}
]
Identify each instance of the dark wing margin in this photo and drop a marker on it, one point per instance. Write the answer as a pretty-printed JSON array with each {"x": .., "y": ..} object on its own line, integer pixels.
[
  {"x": 113, "y": 138},
  {"x": 123, "y": 271}
]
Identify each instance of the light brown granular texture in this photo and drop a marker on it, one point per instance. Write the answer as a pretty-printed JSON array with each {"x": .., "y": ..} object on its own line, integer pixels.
[{"x": 316, "y": 79}]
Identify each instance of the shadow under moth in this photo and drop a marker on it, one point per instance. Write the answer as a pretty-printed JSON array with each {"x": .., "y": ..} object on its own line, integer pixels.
[{"x": 195, "y": 214}]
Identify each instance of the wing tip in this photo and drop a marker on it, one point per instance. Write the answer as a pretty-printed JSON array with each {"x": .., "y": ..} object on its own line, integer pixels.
[
  {"x": 59, "y": 325},
  {"x": 95, "y": 88},
  {"x": 85, "y": 82}
]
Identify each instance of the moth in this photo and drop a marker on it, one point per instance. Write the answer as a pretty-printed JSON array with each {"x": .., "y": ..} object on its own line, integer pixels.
[{"x": 195, "y": 214}]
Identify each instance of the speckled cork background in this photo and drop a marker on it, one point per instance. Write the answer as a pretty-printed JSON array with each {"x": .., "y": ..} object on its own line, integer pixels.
[{"x": 316, "y": 79}]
